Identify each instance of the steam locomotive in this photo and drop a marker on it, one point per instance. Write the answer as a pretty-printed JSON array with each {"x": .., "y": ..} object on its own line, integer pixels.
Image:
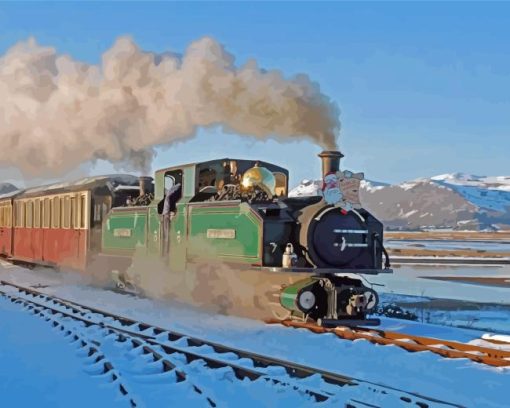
[{"x": 236, "y": 212}]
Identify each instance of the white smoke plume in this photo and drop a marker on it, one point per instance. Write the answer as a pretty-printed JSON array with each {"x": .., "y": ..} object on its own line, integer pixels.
[{"x": 56, "y": 113}]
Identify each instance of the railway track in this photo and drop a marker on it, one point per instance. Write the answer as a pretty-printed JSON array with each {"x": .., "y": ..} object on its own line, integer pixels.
[
  {"x": 450, "y": 349},
  {"x": 163, "y": 345}
]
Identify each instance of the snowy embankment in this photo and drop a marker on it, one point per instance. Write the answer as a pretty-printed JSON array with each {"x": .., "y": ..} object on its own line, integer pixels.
[{"x": 459, "y": 381}]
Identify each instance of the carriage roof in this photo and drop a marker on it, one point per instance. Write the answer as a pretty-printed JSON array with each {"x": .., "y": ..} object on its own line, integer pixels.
[{"x": 87, "y": 183}]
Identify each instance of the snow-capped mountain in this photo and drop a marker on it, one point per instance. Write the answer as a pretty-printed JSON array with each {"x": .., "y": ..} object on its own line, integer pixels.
[
  {"x": 457, "y": 201},
  {"x": 491, "y": 193}
]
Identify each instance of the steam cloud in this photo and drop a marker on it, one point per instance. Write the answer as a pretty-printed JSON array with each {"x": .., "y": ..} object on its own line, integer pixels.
[{"x": 56, "y": 113}]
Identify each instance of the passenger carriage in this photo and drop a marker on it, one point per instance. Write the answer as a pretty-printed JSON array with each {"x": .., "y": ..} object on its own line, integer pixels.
[{"x": 60, "y": 224}]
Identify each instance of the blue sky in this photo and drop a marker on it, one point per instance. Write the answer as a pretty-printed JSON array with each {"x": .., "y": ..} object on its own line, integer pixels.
[{"x": 423, "y": 88}]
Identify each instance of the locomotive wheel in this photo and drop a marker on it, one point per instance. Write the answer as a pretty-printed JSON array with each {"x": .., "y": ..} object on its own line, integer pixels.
[{"x": 373, "y": 300}]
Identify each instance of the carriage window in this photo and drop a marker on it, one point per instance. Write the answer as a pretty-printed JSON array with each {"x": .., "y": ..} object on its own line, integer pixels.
[
  {"x": 29, "y": 213},
  {"x": 16, "y": 214},
  {"x": 37, "y": 213},
  {"x": 61, "y": 212},
  {"x": 72, "y": 217},
  {"x": 55, "y": 214},
  {"x": 67, "y": 213},
  {"x": 47, "y": 213},
  {"x": 21, "y": 214},
  {"x": 2, "y": 216},
  {"x": 83, "y": 211},
  {"x": 78, "y": 211}
]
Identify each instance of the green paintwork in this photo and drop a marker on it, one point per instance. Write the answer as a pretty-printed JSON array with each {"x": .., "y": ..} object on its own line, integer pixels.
[
  {"x": 154, "y": 232},
  {"x": 124, "y": 230},
  {"x": 236, "y": 216},
  {"x": 289, "y": 294},
  {"x": 178, "y": 242},
  {"x": 159, "y": 185},
  {"x": 189, "y": 240}
]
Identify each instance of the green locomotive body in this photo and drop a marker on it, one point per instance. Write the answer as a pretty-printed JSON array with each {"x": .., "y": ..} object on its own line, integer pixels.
[{"x": 237, "y": 212}]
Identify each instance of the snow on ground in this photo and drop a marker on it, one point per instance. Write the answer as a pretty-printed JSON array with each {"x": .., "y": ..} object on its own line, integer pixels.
[
  {"x": 40, "y": 368},
  {"x": 147, "y": 386},
  {"x": 460, "y": 381},
  {"x": 47, "y": 370}
]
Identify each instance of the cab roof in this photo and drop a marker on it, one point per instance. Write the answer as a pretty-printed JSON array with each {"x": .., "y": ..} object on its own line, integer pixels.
[{"x": 241, "y": 162}]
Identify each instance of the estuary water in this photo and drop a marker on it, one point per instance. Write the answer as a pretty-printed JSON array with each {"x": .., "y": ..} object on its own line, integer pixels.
[
  {"x": 410, "y": 280},
  {"x": 489, "y": 246}
]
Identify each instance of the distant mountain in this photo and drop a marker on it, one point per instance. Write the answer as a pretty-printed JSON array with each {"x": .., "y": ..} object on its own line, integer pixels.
[
  {"x": 453, "y": 201},
  {"x": 6, "y": 188}
]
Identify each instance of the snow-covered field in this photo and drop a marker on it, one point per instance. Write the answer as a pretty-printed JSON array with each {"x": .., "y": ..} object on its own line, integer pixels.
[{"x": 459, "y": 381}]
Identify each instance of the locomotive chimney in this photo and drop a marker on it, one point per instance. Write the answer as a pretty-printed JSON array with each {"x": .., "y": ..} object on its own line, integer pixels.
[
  {"x": 145, "y": 185},
  {"x": 330, "y": 161}
]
